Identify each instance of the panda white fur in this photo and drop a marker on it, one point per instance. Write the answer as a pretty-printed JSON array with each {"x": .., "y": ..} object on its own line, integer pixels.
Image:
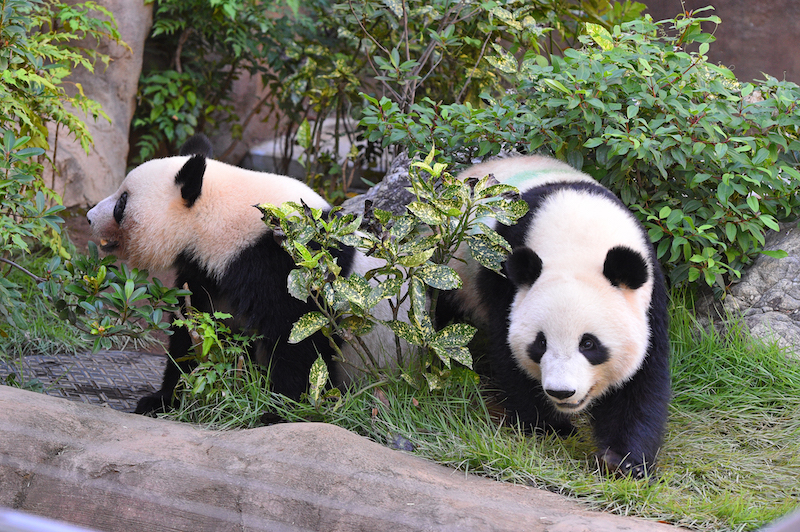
[
  {"x": 579, "y": 321},
  {"x": 197, "y": 215}
]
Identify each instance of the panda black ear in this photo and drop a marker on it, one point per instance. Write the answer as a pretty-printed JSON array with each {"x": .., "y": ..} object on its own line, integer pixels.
[
  {"x": 197, "y": 145},
  {"x": 625, "y": 268},
  {"x": 523, "y": 266},
  {"x": 190, "y": 179}
]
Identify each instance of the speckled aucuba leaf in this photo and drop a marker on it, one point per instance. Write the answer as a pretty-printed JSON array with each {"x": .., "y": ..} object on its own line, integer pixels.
[
  {"x": 405, "y": 331},
  {"x": 419, "y": 245},
  {"x": 508, "y": 212},
  {"x": 486, "y": 252},
  {"x": 454, "y": 335},
  {"x": 317, "y": 378},
  {"x": 402, "y": 227},
  {"x": 418, "y": 295},
  {"x": 307, "y": 325},
  {"x": 355, "y": 289},
  {"x": 435, "y": 382},
  {"x": 495, "y": 190},
  {"x": 495, "y": 238},
  {"x": 297, "y": 283},
  {"x": 439, "y": 276},
  {"x": 384, "y": 289},
  {"x": 358, "y": 326},
  {"x": 412, "y": 261},
  {"x": 447, "y": 206},
  {"x": 425, "y": 212}
]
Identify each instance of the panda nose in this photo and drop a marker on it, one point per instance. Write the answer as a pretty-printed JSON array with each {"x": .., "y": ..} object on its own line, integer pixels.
[{"x": 560, "y": 394}]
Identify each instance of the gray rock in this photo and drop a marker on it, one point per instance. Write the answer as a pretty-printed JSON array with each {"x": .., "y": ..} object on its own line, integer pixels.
[
  {"x": 768, "y": 296},
  {"x": 86, "y": 179},
  {"x": 390, "y": 194},
  {"x": 110, "y": 471}
]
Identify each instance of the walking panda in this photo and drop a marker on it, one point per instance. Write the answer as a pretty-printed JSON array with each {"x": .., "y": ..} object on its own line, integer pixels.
[
  {"x": 578, "y": 322},
  {"x": 197, "y": 215}
]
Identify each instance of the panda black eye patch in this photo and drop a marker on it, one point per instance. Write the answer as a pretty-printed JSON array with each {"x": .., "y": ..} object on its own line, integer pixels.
[
  {"x": 119, "y": 208},
  {"x": 537, "y": 349},
  {"x": 591, "y": 348}
]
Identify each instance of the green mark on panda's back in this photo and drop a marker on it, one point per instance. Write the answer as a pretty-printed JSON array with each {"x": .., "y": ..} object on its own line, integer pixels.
[{"x": 531, "y": 178}]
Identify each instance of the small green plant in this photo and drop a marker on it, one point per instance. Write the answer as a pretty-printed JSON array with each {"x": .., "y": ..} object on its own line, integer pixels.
[
  {"x": 225, "y": 387},
  {"x": 106, "y": 302},
  {"x": 708, "y": 163},
  {"x": 414, "y": 250}
]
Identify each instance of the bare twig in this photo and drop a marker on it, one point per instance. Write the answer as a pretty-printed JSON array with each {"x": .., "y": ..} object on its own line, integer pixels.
[{"x": 23, "y": 270}]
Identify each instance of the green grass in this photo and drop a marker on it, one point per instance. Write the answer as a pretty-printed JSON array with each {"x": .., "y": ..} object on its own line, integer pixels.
[
  {"x": 45, "y": 332},
  {"x": 730, "y": 459}
]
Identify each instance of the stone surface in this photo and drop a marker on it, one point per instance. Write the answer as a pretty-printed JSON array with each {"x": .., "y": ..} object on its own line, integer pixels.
[
  {"x": 390, "y": 194},
  {"x": 768, "y": 295},
  {"x": 111, "y": 471},
  {"x": 84, "y": 179},
  {"x": 754, "y": 37}
]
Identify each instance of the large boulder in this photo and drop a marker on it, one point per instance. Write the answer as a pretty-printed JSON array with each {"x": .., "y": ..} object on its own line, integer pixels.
[
  {"x": 111, "y": 471},
  {"x": 768, "y": 295},
  {"x": 86, "y": 179}
]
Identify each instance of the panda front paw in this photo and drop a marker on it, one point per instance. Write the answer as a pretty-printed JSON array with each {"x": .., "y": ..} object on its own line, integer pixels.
[
  {"x": 152, "y": 404},
  {"x": 622, "y": 466}
]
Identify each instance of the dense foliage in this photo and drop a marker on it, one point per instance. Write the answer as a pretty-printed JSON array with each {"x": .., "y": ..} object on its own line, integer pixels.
[
  {"x": 35, "y": 58},
  {"x": 708, "y": 163},
  {"x": 315, "y": 57}
]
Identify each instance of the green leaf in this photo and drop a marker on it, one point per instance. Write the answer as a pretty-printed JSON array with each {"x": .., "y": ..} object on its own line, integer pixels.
[
  {"x": 412, "y": 261},
  {"x": 307, "y": 325},
  {"x": 317, "y": 379},
  {"x": 774, "y": 253},
  {"x": 405, "y": 331},
  {"x": 439, "y": 276},
  {"x": 425, "y": 212},
  {"x": 752, "y": 202},
  {"x": 600, "y": 35},
  {"x": 557, "y": 85}
]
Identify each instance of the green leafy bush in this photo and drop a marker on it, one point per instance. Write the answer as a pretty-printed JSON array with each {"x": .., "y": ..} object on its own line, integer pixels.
[
  {"x": 708, "y": 163},
  {"x": 315, "y": 57},
  {"x": 35, "y": 57},
  {"x": 197, "y": 50},
  {"x": 105, "y": 301},
  {"x": 416, "y": 248}
]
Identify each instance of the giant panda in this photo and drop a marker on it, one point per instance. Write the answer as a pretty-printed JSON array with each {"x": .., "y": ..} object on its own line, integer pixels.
[
  {"x": 578, "y": 319},
  {"x": 197, "y": 216}
]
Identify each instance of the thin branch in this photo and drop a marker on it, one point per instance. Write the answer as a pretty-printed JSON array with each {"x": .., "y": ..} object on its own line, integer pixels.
[{"x": 23, "y": 270}]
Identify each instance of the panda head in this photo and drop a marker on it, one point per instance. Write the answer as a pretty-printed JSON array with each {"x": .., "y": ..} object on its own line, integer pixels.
[
  {"x": 147, "y": 220},
  {"x": 579, "y": 331}
]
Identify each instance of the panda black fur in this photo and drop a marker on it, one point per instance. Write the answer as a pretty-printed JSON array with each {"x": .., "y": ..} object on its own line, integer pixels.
[
  {"x": 197, "y": 215},
  {"x": 579, "y": 321}
]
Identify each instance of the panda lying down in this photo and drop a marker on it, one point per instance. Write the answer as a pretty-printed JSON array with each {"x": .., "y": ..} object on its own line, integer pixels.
[{"x": 578, "y": 322}]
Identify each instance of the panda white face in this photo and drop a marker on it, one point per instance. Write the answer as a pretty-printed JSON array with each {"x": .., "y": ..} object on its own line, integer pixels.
[
  {"x": 146, "y": 219},
  {"x": 579, "y": 320},
  {"x": 558, "y": 337}
]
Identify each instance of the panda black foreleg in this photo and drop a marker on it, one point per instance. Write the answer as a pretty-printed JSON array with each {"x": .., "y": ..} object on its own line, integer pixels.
[
  {"x": 629, "y": 422},
  {"x": 179, "y": 345}
]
